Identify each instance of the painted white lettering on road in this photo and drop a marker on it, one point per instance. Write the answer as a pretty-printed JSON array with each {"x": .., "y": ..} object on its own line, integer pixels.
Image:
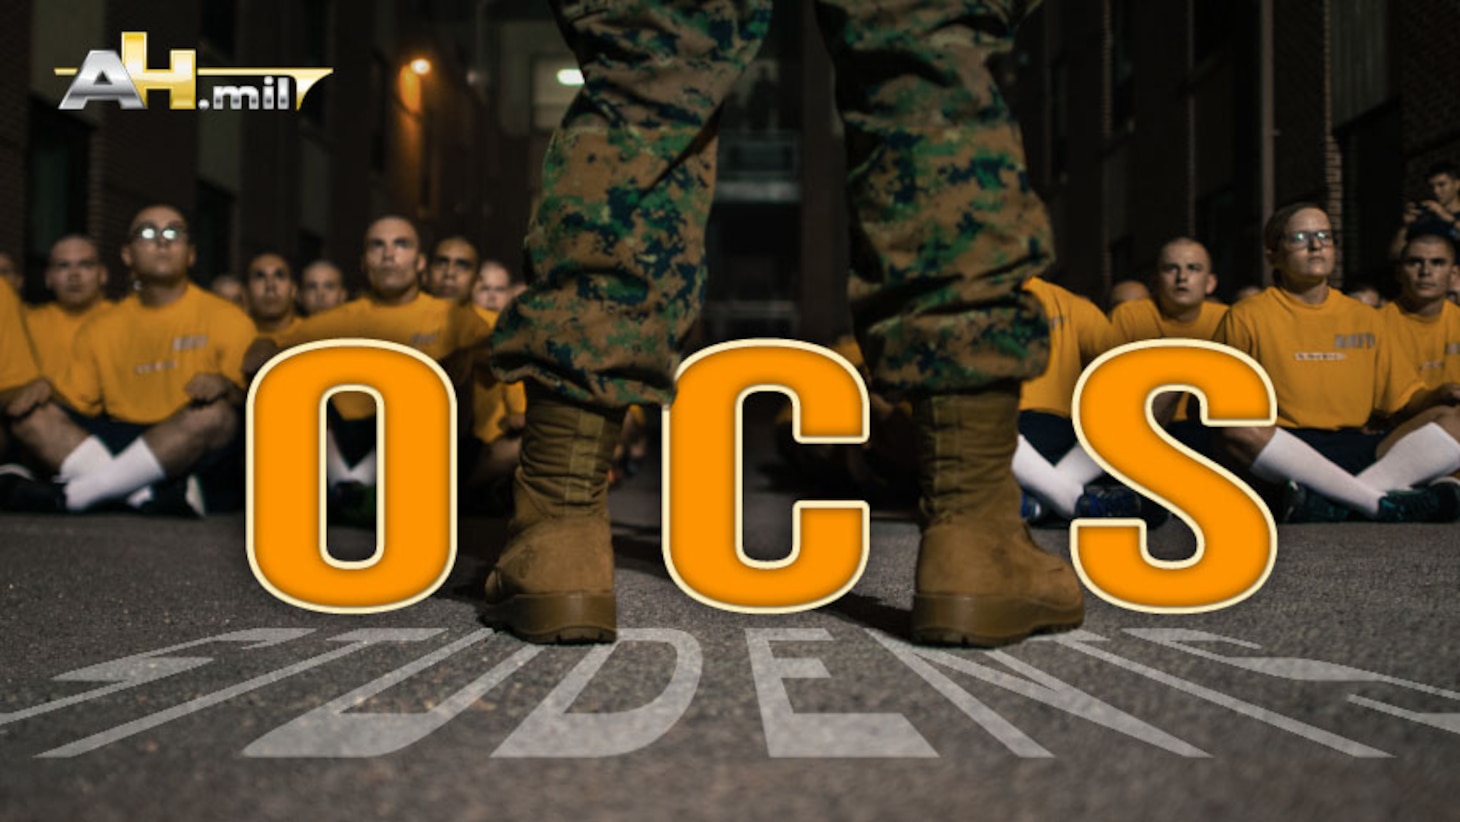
[
  {"x": 328, "y": 731},
  {"x": 1079, "y": 641},
  {"x": 360, "y": 640},
  {"x": 1302, "y": 669},
  {"x": 1037, "y": 685},
  {"x": 140, "y": 669},
  {"x": 789, "y": 734},
  {"x": 551, "y": 731}
]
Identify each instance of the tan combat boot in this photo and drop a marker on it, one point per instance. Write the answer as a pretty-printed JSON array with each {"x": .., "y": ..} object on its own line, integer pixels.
[
  {"x": 981, "y": 580},
  {"x": 554, "y": 580}
]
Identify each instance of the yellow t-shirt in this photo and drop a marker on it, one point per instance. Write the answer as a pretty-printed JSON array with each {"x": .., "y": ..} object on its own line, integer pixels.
[
  {"x": 280, "y": 333},
  {"x": 433, "y": 326},
  {"x": 1078, "y": 333},
  {"x": 134, "y": 361},
  {"x": 17, "y": 359},
  {"x": 1428, "y": 347},
  {"x": 1331, "y": 364},
  {"x": 1137, "y": 320},
  {"x": 492, "y": 404},
  {"x": 53, "y": 333}
]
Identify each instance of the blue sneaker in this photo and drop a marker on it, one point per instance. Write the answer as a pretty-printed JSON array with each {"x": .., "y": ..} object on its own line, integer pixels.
[
  {"x": 1119, "y": 502},
  {"x": 1030, "y": 509},
  {"x": 1439, "y": 502},
  {"x": 1302, "y": 504}
]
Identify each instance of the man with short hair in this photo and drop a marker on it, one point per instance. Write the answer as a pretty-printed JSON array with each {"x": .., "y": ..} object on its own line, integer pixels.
[
  {"x": 231, "y": 289},
  {"x": 493, "y": 288},
  {"x": 451, "y": 270},
  {"x": 271, "y": 292},
  {"x": 1424, "y": 324},
  {"x": 152, "y": 393},
  {"x": 1126, "y": 290},
  {"x": 76, "y": 276},
  {"x": 1179, "y": 308},
  {"x": 321, "y": 287},
  {"x": 396, "y": 310},
  {"x": 1438, "y": 214},
  {"x": 1333, "y": 368}
]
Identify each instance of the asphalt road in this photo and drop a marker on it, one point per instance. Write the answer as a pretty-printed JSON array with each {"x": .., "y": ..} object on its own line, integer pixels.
[{"x": 145, "y": 674}]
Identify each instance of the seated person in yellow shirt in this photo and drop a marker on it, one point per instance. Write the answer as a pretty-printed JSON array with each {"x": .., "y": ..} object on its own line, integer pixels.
[
  {"x": 1422, "y": 322},
  {"x": 321, "y": 287},
  {"x": 1177, "y": 309},
  {"x": 1049, "y": 462},
  {"x": 395, "y": 309},
  {"x": 74, "y": 273},
  {"x": 269, "y": 293},
  {"x": 1332, "y": 365},
  {"x": 22, "y": 388},
  {"x": 152, "y": 393},
  {"x": 453, "y": 265}
]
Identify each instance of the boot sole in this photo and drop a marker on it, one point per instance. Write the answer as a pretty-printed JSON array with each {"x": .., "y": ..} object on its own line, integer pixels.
[
  {"x": 555, "y": 619},
  {"x": 987, "y": 621}
]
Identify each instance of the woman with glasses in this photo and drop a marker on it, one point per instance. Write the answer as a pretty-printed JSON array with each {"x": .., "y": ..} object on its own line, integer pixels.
[{"x": 1335, "y": 380}]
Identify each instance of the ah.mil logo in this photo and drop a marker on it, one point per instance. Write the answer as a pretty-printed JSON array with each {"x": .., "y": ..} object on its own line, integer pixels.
[{"x": 125, "y": 79}]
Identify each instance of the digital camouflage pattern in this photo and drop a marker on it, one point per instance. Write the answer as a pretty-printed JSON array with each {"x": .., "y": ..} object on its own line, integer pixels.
[{"x": 945, "y": 225}]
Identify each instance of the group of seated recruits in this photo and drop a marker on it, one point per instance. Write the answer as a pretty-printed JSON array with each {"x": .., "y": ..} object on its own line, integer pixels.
[
  {"x": 137, "y": 404},
  {"x": 1366, "y": 421}
]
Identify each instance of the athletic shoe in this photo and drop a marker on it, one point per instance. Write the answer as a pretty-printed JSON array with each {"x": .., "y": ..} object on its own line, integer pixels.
[
  {"x": 21, "y": 491},
  {"x": 1030, "y": 509},
  {"x": 1119, "y": 502},
  {"x": 1302, "y": 504},
  {"x": 176, "y": 498},
  {"x": 1439, "y": 502},
  {"x": 352, "y": 504}
]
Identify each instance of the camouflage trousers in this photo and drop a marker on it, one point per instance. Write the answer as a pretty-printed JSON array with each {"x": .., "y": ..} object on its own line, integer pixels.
[{"x": 944, "y": 224}]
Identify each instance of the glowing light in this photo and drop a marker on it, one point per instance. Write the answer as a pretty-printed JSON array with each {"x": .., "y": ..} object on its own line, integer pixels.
[
  {"x": 421, "y": 66},
  {"x": 570, "y": 77}
]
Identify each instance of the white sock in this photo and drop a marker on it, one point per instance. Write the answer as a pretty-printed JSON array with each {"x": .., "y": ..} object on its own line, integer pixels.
[
  {"x": 1039, "y": 478},
  {"x": 90, "y": 455},
  {"x": 134, "y": 468},
  {"x": 1423, "y": 454},
  {"x": 1286, "y": 457},
  {"x": 335, "y": 469},
  {"x": 364, "y": 470},
  {"x": 1079, "y": 467}
]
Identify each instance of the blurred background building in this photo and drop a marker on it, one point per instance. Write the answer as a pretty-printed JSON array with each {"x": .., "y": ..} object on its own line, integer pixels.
[{"x": 1143, "y": 119}]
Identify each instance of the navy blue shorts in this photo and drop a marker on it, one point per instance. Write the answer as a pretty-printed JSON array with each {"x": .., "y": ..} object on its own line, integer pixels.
[
  {"x": 1050, "y": 434},
  {"x": 1351, "y": 449},
  {"x": 220, "y": 472}
]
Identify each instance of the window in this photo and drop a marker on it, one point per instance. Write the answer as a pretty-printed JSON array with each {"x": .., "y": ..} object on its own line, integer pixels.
[
  {"x": 56, "y": 185},
  {"x": 213, "y": 233}
]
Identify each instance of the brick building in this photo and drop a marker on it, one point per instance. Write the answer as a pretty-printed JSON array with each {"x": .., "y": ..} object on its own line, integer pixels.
[
  {"x": 373, "y": 137},
  {"x": 1145, "y": 119}
]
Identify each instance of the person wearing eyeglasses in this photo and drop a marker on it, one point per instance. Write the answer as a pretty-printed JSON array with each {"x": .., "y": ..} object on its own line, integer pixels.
[
  {"x": 76, "y": 276},
  {"x": 1423, "y": 321},
  {"x": 1334, "y": 367},
  {"x": 270, "y": 293},
  {"x": 149, "y": 414}
]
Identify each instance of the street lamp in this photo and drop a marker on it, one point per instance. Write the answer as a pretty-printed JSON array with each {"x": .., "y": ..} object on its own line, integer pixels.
[{"x": 421, "y": 66}]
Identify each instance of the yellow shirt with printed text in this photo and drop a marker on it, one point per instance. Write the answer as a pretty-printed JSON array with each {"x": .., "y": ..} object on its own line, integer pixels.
[
  {"x": 134, "y": 361},
  {"x": 1138, "y": 320},
  {"x": 17, "y": 359},
  {"x": 433, "y": 326},
  {"x": 1428, "y": 347},
  {"x": 1078, "y": 333},
  {"x": 280, "y": 333},
  {"x": 1332, "y": 365},
  {"x": 53, "y": 333}
]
